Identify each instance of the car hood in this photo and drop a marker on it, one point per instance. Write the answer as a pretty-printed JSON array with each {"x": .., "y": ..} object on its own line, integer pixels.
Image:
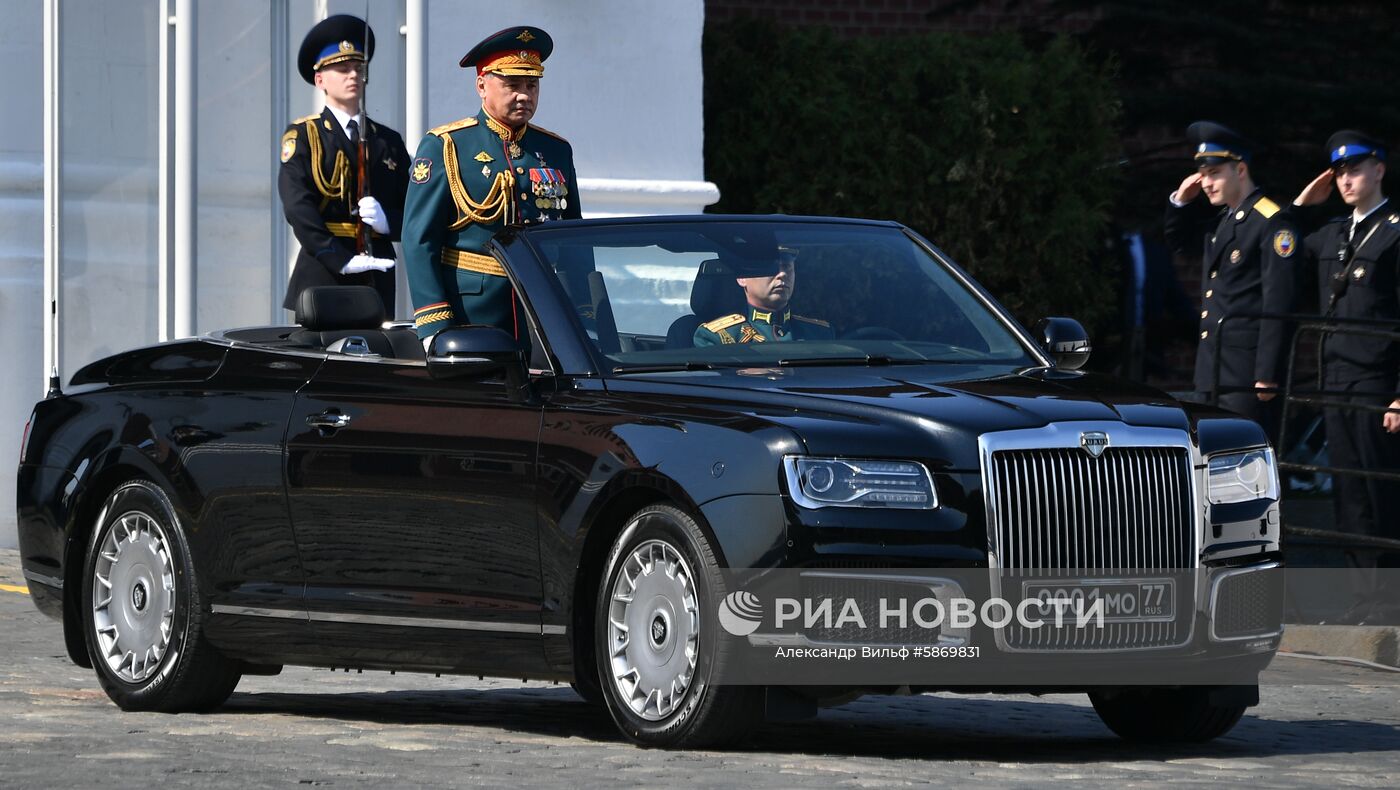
[{"x": 935, "y": 411}]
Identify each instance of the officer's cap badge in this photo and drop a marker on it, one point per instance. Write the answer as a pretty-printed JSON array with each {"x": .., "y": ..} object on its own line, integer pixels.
[
  {"x": 1342, "y": 151},
  {"x": 1284, "y": 243},
  {"x": 346, "y": 46},
  {"x": 1202, "y": 148},
  {"x": 422, "y": 170},
  {"x": 525, "y": 36}
]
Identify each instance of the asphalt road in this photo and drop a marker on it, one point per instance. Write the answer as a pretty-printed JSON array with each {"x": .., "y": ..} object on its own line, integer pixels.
[{"x": 1320, "y": 723}]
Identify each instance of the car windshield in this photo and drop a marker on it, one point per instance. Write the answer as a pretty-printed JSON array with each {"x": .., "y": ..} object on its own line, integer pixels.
[{"x": 721, "y": 294}]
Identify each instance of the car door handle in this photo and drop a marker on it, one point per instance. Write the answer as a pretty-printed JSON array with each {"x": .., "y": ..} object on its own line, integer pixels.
[{"x": 328, "y": 420}]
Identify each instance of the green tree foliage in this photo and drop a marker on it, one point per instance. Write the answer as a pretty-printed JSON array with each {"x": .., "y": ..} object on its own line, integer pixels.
[{"x": 1002, "y": 154}]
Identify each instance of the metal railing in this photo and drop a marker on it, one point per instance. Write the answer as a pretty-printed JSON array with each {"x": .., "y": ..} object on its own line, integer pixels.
[{"x": 1321, "y": 397}]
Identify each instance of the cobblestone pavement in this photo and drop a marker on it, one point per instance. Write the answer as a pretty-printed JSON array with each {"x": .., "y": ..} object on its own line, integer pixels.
[{"x": 1320, "y": 724}]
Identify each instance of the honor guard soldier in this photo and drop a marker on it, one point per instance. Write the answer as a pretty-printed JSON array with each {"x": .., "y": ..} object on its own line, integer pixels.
[
  {"x": 1247, "y": 267},
  {"x": 768, "y": 288},
  {"x": 1358, "y": 266},
  {"x": 319, "y": 181},
  {"x": 473, "y": 177}
]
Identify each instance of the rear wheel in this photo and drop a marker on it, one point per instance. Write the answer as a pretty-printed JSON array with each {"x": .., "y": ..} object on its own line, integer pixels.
[
  {"x": 1161, "y": 715},
  {"x": 658, "y": 652},
  {"x": 142, "y": 613}
]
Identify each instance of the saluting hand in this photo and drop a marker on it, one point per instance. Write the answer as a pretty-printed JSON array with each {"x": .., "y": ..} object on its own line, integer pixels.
[
  {"x": 1316, "y": 191},
  {"x": 1391, "y": 421},
  {"x": 1189, "y": 188}
]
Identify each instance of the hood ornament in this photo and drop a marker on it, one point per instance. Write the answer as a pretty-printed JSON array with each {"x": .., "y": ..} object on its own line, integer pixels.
[{"x": 1093, "y": 442}]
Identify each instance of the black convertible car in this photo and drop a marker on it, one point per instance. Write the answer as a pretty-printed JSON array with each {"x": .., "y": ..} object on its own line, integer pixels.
[{"x": 569, "y": 505}]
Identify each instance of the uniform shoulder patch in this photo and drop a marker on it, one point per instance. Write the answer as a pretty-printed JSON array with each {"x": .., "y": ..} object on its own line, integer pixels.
[
  {"x": 721, "y": 324},
  {"x": 289, "y": 144},
  {"x": 305, "y": 118},
  {"x": 1285, "y": 243},
  {"x": 1266, "y": 207},
  {"x": 447, "y": 128},
  {"x": 543, "y": 130},
  {"x": 422, "y": 170},
  {"x": 807, "y": 320}
]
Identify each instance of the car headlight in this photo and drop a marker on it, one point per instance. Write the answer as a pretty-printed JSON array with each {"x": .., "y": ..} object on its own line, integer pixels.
[
  {"x": 856, "y": 482},
  {"x": 1242, "y": 477}
]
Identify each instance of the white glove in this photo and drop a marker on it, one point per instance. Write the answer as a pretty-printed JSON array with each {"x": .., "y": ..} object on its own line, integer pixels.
[
  {"x": 364, "y": 263},
  {"x": 428, "y": 344},
  {"x": 372, "y": 214}
]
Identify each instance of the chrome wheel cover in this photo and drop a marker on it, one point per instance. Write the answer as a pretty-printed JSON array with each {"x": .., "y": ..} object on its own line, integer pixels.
[
  {"x": 653, "y": 630},
  {"x": 133, "y": 597}
]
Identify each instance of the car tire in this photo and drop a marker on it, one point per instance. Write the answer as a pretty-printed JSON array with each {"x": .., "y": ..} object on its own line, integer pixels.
[
  {"x": 661, "y": 578},
  {"x": 141, "y": 595},
  {"x": 1162, "y": 715}
]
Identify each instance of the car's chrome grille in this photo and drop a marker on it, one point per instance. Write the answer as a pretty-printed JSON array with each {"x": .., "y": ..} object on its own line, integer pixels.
[{"x": 1062, "y": 513}]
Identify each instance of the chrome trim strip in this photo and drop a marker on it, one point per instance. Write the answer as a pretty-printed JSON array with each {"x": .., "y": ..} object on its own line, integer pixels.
[
  {"x": 377, "y": 619},
  {"x": 554, "y": 630},
  {"x": 47, "y": 581},
  {"x": 254, "y": 611},
  {"x": 1215, "y": 593},
  {"x": 944, "y": 590}
]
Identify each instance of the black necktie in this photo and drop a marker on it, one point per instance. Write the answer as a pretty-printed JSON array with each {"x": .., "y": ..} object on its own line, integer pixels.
[{"x": 354, "y": 127}]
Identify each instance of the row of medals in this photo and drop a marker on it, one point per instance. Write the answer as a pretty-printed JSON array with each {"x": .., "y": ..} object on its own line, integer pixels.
[{"x": 550, "y": 196}]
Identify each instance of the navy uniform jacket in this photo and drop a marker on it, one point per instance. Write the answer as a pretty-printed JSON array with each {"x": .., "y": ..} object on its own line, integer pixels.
[
  {"x": 317, "y": 184},
  {"x": 470, "y": 179},
  {"x": 1248, "y": 266},
  {"x": 762, "y": 326},
  {"x": 1371, "y": 291}
]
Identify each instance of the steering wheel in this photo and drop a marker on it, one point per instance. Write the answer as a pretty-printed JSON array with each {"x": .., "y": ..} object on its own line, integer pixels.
[{"x": 872, "y": 333}]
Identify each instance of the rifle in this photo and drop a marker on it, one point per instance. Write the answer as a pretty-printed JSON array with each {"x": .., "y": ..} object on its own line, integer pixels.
[{"x": 362, "y": 237}]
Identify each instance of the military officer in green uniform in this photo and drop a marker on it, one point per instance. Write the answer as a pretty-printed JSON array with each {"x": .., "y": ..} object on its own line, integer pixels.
[
  {"x": 767, "y": 318},
  {"x": 473, "y": 177},
  {"x": 318, "y": 178}
]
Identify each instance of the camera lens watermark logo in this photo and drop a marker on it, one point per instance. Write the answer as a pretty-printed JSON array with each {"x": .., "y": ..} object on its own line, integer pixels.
[{"x": 741, "y": 613}]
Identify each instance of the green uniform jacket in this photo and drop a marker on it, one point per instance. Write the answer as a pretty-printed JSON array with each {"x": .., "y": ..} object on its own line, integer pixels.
[
  {"x": 469, "y": 179},
  {"x": 762, "y": 326}
]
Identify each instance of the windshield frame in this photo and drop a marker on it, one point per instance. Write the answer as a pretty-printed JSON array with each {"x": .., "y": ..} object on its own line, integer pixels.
[{"x": 577, "y": 346}]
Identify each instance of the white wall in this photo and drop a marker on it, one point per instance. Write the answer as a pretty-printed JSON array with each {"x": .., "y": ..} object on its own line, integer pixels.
[
  {"x": 21, "y": 237},
  {"x": 624, "y": 86}
]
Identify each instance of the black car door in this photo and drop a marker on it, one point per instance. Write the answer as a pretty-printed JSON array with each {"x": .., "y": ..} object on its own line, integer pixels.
[{"x": 413, "y": 504}]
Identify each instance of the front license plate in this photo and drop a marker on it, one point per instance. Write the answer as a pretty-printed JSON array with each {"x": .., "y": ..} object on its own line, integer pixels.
[{"x": 1136, "y": 601}]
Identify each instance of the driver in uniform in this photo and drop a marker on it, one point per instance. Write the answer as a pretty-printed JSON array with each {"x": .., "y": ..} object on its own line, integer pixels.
[{"x": 768, "y": 289}]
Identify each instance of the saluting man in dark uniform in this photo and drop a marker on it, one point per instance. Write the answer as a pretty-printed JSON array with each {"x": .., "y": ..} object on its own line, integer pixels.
[
  {"x": 473, "y": 177},
  {"x": 1358, "y": 266},
  {"x": 318, "y": 178},
  {"x": 1247, "y": 267},
  {"x": 767, "y": 319}
]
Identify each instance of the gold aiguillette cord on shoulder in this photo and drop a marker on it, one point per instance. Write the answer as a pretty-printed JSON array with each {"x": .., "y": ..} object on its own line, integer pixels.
[
  {"x": 332, "y": 188},
  {"x": 469, "y": 211}
]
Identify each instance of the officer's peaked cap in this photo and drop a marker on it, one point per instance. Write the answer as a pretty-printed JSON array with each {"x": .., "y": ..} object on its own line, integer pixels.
[
  {"x": 514, "y": 52},
  {"x": 1214, "y": 143},
  {"x": 1350, "y": 145},
  {"x": 334, "y": 39}
]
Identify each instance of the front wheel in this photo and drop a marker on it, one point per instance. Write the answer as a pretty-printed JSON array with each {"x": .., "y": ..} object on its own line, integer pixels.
[
  {"x": 1162, "y": 715},
  {"x": 658, "y": 652},
  {"x": 142, "y": 614}
]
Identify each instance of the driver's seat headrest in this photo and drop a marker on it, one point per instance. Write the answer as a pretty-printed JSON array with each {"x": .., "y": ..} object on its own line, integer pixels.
[
  {"x": 715, "y": 292},
  {"x": 326, "y": 308}
]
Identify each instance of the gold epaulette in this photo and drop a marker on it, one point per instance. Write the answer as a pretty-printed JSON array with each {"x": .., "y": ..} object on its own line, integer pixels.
[
  {"x": 720, "y": 324},
  {"x": 305, "y": 118},
  {"x": 465, "y": 123},
  {"x": 555, "y": 135},
  {"x": 816, "y": 321},
  {"x": 1266, "y": 207}
]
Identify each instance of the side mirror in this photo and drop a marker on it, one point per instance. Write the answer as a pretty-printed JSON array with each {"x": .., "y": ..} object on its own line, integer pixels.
[
  {"x": 1065, "y": 341},
  {"x": 474, "y": 352}
]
